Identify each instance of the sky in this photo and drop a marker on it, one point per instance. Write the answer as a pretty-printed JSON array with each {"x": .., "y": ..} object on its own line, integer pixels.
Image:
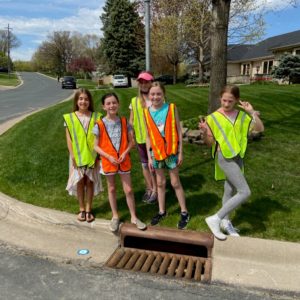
[{"x": 33, "y": 20}]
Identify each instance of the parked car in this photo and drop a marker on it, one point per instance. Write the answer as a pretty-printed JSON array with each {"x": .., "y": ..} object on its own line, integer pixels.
[
  {"x": 120, "y": 81},
  {"x": 3, "y": 70},
  {"x": 68, "y": 82},
  {"x": 165, "y": 79}
]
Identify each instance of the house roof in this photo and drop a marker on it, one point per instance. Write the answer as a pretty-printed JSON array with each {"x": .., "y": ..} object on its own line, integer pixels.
[{"x": 263, "y": 48}]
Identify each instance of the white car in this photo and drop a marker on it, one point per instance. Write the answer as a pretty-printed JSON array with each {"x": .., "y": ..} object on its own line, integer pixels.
[{"x": 120, "y": 81}]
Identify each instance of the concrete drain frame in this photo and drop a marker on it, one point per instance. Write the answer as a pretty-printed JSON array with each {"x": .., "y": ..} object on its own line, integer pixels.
[{"x": 164, "y": 251}]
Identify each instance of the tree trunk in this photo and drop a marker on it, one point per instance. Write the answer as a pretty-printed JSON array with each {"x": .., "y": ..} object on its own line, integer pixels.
[
  {"x": 218, "y": 62},
  {"x": 200, "y": 65},
  {"x": 175, "y": 73}
]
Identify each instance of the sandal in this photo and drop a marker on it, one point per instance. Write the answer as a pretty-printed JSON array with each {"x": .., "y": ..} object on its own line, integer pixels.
[
  {"x": 81, "y": 216},
  {"x": 89, "y": 217}
]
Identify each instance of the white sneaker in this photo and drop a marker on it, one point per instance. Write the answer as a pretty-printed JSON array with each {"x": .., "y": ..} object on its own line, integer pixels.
[
  {"x": 114, "y": 225},
  {"x": 228, "y": 228},
  {"x": 213, "y": 223}
]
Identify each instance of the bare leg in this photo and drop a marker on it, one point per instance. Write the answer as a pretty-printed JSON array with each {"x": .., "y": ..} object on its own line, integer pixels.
[
  {"x": 176, "y": 184},
  {"x": 80, "y": 194},
  {"x": 89, "y": 194},
  {"x": 127, "y": 188},
  {"x": 161, "y": 189},
  {"x": 111, "y": 189}
]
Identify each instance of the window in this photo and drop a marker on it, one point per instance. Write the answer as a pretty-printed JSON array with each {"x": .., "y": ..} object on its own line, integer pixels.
[
  {"x": 245, "y": 69},
  {"x": 267, "y": 66},
  {"x": 297, "y": 52}
]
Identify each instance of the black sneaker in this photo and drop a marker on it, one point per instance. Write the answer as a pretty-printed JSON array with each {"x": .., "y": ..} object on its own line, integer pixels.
[
  {"x": 157, "y": 218},
  {"x": 184, "y": 219}
]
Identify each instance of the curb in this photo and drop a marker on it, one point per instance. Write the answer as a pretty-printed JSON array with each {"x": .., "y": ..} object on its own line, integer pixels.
[{"x": 243, "y": 261}]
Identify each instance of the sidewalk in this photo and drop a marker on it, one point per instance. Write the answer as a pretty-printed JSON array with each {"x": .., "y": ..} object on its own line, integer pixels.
[{"x": 243, "y": 261}]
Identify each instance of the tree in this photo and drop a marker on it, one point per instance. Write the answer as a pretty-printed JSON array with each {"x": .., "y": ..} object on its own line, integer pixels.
[
  {"x": 288, "y": 68},
  {"x": 218, "y": 60},
  {"x": 82, "y": 65},
  {"x": 14, "y": 42},
  {"x": 123, "y": 42}
]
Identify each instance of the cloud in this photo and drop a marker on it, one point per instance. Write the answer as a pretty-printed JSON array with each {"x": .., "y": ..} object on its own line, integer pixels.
[{"x": 275, "y": 5}]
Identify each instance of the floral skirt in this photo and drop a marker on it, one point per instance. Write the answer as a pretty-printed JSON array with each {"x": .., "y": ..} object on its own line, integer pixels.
[{"x": 76, "y": 174}]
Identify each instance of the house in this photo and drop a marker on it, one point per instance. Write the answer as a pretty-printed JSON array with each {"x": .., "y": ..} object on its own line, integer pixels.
[{"x": 248, "y": 62}]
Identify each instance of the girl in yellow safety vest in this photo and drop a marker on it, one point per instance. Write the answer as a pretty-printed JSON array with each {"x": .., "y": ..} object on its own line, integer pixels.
[
  {"x": 114, "y": 140},
  {"x": 136, "y": 119},
  {"x": 84, "y": 179},
  {"x": 226, "y": 130},
  {"x": 164, "y": 147}
]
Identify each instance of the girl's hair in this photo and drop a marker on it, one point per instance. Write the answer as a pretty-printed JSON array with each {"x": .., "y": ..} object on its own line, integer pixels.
[
  {"x": 232, "y": 89},
  {"x": 160, "y": 85},
  {"x": 76, "y": 97},
  {"x": 105, "y": 96}
]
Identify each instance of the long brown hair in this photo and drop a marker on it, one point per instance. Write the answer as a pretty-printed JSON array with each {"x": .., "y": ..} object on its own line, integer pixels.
[
  {"x": 232, "y": 89},
  {"x": 76, "y": 97}
]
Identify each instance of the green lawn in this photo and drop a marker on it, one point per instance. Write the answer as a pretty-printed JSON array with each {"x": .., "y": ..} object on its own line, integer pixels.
[
  {"x": 9, "y": 80},
  {"x": 34, "y": 165}
]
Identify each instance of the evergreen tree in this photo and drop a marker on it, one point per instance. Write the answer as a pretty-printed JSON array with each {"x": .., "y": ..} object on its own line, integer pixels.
[
  {"x": 288, "y": 68},
  {"x": 123, "y": 42}
]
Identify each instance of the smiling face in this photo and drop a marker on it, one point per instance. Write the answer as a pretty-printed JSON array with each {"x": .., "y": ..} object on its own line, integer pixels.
[
  {"x": 83, "y": 102},
  {"x": 228, "y": 101},
  {"x": 111, "y": 106},
  {"x": 156, "y": 96},
  {"x": 144, "y": 86}
]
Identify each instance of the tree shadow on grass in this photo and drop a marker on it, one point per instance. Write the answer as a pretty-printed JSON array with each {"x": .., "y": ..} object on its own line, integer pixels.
[{"x": 254, "y": 215}]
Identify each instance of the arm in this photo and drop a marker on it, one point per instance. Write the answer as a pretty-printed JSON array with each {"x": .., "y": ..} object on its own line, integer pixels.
[
  {"x": 180, "y": 150},
  {"x": 131, "y": 116},
  {"x": 248, "y": 108},
  {"x": 70, "y": 148}
]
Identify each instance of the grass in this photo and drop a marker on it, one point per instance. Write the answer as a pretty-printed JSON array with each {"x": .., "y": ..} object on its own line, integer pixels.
[
  {"x": 9, "y": 80},
  {"x": 34, "y": 165}
]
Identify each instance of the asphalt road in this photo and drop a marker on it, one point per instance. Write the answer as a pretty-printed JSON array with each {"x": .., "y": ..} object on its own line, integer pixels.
[
  {"x": 25, "y": 276},
  {"x": 37, "y": 91}
]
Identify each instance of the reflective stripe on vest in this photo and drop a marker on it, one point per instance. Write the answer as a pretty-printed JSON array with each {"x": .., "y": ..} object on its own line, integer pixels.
[
  {"x": 163, "y": 147},
  {"x": 232, "y": 138},
  {"x": 82, "y": 142},
  {"x": 107, "y": 146},
  {"x": 138, "y": 122}
]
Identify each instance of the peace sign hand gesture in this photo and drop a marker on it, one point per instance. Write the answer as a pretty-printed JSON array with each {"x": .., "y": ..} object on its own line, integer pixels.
[{"x": 246, "y": 106}]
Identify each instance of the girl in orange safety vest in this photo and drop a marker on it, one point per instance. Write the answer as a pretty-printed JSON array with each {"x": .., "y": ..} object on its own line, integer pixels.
[
  {"x": 114, "y": 140},
  {"x": 164, "y": 147}
]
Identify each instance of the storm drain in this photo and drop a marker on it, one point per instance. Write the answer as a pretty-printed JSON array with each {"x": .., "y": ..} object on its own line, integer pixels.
[{"x": 164, "y": 251}]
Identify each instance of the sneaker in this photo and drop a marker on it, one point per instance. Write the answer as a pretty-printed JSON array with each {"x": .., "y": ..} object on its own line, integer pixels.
[
  {"x": 213, "y": 223},
  {"x": 157, "y": 218},
  {"x": 228, "y": 228},
  {"x": 114, "y": 224},
  {"x": 146, "y": 196},
  {"x": 184, "y": 219},
  {"x": 153, "y": 198},
  {"x": 140, "y": 225}
]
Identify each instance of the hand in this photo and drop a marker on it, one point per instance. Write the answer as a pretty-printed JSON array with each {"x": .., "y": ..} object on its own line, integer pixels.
[
  {"x": 150, "y": 165},
  {"x": 180, "y": 158},
  {"x": 113, "y": 160},
  {"x": 246, "y": 106},
  {"x": 122, "y": 157},
  {"x": 202, "y": 125}
]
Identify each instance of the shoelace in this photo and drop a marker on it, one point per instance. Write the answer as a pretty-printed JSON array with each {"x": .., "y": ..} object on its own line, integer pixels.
[{"x": 230, "y": 229}]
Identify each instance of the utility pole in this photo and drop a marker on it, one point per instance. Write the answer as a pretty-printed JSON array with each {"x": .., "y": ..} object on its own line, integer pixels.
[
  {"x": 8, "y": 50},
  {"x": 147, "y": 34}
]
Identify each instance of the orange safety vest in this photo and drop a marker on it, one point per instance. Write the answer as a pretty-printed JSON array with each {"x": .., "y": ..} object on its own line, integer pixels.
[
  {"x": 163, "y": 147},
  {"x": 106, "y": 145}
]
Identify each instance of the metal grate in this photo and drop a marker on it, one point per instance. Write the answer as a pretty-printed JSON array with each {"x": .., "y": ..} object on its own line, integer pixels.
[{"x": 154, "y": 262}]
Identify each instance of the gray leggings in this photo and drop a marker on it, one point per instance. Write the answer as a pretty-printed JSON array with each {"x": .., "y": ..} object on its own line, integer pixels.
[{"x": 236, "y": 189}]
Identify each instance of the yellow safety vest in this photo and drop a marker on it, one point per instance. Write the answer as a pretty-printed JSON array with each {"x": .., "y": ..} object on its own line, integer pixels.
[
  {"x": 138, "y": 121},
  {"x": 82, "y": 142},
  {"x": 232, "y": 138}
]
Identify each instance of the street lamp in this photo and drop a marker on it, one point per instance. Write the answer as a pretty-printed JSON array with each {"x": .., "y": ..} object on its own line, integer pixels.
[{"x": 147, "y": 34}]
